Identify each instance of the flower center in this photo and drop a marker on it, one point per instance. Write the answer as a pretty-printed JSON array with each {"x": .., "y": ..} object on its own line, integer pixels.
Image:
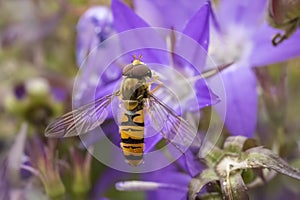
[
  {"x": 234, "y": 44},
  {"x": 177, "y": 86}
]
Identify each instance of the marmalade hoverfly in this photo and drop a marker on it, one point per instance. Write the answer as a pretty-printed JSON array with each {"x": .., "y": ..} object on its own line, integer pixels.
[{"x": 136, "y": 98}]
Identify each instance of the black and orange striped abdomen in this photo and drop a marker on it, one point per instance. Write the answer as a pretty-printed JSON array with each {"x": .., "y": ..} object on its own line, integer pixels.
[{"x": 132, "y": 134}]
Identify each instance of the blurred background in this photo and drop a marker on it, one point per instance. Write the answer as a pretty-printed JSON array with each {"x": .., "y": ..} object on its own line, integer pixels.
[{"x": 37, "y": 70}]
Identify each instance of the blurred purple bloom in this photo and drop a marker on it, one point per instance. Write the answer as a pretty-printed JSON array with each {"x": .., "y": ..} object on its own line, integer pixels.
[
  {"x": 152, "y": 45},
  {"x": 94, "y": 26},
  {"x": 20, "y": 91},
  {"x": 4, "y": 183},
  {"x": 59, "y": 94},
  {"x": 245, "y": 37}
]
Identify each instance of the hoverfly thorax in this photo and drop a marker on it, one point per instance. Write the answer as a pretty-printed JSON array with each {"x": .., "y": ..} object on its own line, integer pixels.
[{"x": 134, "y": 86}]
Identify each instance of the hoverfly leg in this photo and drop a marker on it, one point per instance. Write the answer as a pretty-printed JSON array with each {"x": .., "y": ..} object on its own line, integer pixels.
[
  {"x": 156, "y": 88},
  {"x": 160, "y": 84},
  {"x": 154, "y": 79}
]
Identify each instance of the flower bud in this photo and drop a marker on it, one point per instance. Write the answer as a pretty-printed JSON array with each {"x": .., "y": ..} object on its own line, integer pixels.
[
  {"x": 284, "y": 15},
  {"x": 81, "y": 173},
  {"x": 45, "y": 166},
  {"x": 34, "y": 101}
]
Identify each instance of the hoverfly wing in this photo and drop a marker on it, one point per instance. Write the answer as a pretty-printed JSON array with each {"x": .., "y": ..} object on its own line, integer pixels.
[
  {"x": 173, "y": 128},
  {"x": 81, "y": 120}
]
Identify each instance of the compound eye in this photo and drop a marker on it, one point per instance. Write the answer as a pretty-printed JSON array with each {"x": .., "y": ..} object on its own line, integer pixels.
[
  {"x": 137, "y": 71},
  {"x": 127, "y": 70},
  {"x": 141, "y": 71}
]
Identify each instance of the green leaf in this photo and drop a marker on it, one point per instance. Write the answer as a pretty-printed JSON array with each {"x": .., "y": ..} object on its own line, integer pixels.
[
  {"x": 198, "y": 182},
  {"x": 211, "y": 196},
  {"x": 234, "y": 188},
  {"x": 260, "y": 157},
  {"x": 237, "y": 144}
]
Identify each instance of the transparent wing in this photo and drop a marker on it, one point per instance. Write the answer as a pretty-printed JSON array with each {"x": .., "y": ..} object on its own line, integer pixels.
[
  {"x": 173, "y": 128},
  {"x": 81, "y": 120}
]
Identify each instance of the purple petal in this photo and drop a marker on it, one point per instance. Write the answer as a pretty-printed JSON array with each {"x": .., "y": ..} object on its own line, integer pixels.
[
  {"x": 192, "y": 163},
  {"x": 20, "y": 91},
  {"x": 240, "y": 101},
  {"x": 25, "y": 174},
  {"x": 150, "y": 142},
  {"x": 198, "y": 26},
  {"x": 4, "y": 183},
  {"x": 59, "y": 94},
  {"x": 125, "y": 19},
  {"x": 247, "y": 12},
  {"x": 16, "y": 153},
  {"x": 166, "y": 13},
  {"x": 265, "y": 53},
  {"x": 93, "y": 27},
  {"x": 137, "y": 41},
  {"x": 205, "y": 96},
  {"x": 170, "y": 176},
  {"x": 192, "y": 46},
  {"x": 106, "y": 181}
]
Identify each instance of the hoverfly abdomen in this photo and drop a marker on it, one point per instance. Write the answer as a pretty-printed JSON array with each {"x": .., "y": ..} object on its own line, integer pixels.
[{"x": 132, "y": 134}]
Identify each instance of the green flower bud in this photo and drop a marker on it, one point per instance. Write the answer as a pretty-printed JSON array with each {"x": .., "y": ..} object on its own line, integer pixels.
[
  {"x": 45, "y": 162},
  {"x": 284, "y": 15},
  {"x": 34, "y": 102},
  {"x": 81, "y": 173}
]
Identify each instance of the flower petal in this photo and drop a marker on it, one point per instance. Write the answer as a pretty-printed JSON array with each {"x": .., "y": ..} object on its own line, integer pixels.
[
  {"x": 93, "y": 27},
  {"x": 198, "y": 26},
  {"x": 106, "y": 181},
  {"x": 4, "y": 183},
  {"x": 192, "y": 44},
  {"x": 139, "y": 38},
  {"x": 166, "y": 13},
  {"x": 247, "y": 12},
  {"x": 240, "y": 101},
  {"x": 265, "y": 53},
  {"x": 205, "y": 96},
  {"x": 169, "y": 176}
]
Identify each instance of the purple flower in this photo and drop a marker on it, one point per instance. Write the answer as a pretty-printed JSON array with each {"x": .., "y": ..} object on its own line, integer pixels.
[
  {"x": 94, "y": 26},
  {"x": 196, "y": 29},
  {"x": 177, "y": 56},
  {"x": 170, "y": 182},
  {"x": 245, "y": 38},
  {"x": 93, "y": 54}
]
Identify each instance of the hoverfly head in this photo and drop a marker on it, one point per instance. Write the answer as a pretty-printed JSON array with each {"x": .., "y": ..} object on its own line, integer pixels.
[{"x": 137, "y": 69}]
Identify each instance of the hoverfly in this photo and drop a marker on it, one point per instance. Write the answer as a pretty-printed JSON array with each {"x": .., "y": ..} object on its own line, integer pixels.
[{"x": 136, "y": 98}]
